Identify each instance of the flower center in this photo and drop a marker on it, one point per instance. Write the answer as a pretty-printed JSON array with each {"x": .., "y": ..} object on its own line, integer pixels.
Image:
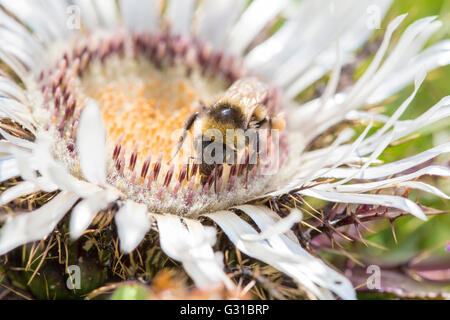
[
  {"x": 146, "y": 87},
  {"x": 147, "y": 98}
]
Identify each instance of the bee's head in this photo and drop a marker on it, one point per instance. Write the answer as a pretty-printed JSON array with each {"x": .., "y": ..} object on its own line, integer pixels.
[{"x": 227, "y": 114}]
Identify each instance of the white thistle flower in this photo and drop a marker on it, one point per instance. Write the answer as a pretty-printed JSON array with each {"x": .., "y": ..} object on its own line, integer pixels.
[{"x": 102, "y": 94}]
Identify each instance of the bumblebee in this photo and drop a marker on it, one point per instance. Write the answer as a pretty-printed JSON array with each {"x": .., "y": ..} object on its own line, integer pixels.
[{"x": 247, "y": 104}]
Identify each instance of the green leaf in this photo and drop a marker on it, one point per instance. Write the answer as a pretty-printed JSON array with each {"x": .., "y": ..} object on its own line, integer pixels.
[{"x": 134, "y": 292}]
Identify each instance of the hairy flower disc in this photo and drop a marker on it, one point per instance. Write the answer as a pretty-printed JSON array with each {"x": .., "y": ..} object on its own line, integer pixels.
[{"x": 146, "y": 87}]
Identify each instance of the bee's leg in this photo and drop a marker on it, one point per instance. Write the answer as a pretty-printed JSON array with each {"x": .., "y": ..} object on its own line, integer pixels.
[{"x": 187, "y": 127}]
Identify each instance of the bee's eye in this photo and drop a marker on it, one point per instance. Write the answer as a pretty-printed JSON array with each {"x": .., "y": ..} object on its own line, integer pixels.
[{"x": 229, "y": 114}]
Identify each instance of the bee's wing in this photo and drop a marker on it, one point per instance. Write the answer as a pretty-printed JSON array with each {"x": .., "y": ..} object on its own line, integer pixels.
[{"x": 248, "y": 92}]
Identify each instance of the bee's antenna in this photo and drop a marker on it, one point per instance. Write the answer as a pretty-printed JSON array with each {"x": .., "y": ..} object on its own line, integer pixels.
[{"x": 187, "y": 127}]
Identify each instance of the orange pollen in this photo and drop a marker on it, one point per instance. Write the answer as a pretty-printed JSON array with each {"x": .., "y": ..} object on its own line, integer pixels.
[{"x": 149, "y": 115}]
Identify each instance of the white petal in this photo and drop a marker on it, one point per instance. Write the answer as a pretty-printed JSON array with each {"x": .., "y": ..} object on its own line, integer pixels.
[
  {"x": 383, "y": 144},
  {"x": 88, "y": 13},
  {"x": 107, "y": 12},
  {"x": 344, "y": 136},
  {"x": 22, "y": 189},
  {"x": 310, "y": 76},
  {"x": 26, "y": 12},
  {"x": 365, "y": 116},
  {"x": 86, "y": 210},
  {"x": 180, "y": 13},
  {"x": 98, "y": 13},
  {"x": 368, "y": 74},
  {"x": 216, "y": 19},
  {"x": 11, "y": 61},
  {"x": 133, "y": 223},
  {"x": 368, "y": 83},
  {"x": 54, "y": 172},
  {"x": 24, "y": 162},
  {"x": 91, "y": 144},
  {"x": 11, "y": 89},
  {"x": 5, "y": 148},
  {"x": 371, "y": 199},
  {"x": 16, "y": 46},
  {"x": 279, "y": 227},
  {"x": 390, "y": 168},
  {"x": 388, "y": 183},
  {"x": 434, "y": 57},
  {"x": 36, "y": 17},
  {"x": 333, "y": 83},
  {"x": 8, "y": 169},
  {"x": 327, "y": 277},
  {"x": 402, "y": 129},
  {"x": 7, "y": 22},
  {"x": 346, "y": 157},
  {"x": 340, "y": 104},
  {"x": 252, "y": 21},
  {"x": 344, "y": 102},
  {"x": 19, "y": 190},
  {"x": 17, "y": 141},
  {"x": 419, "y": 79},
  {"x": 351, "y": 41},
  {"x": 266, "y": 55},
  {"x": 192, "y": 246},
  {"x": 35, "y": 225},
  {"x": 424, "y": 187},
  {"x": 264, "y": 219},
  {"x": 317, "y": 36},
  {"x": 138, "y": 15},
  {"x": 309, "y": 271},
  {"x": 57, "y": 10},
  {"x": 209, "y": 264},
  {"x": 17, "y": 111}
]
